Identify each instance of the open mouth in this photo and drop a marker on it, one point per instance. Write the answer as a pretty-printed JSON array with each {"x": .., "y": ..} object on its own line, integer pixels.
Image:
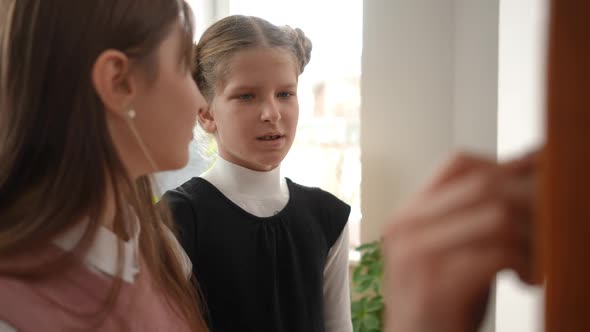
[{"x": 269, "y": 137}]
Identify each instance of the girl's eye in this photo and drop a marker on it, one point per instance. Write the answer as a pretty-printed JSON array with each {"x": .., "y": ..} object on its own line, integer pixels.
[
  {"x": 285, "y": 94},
  {"x": 246, "y": 96}
]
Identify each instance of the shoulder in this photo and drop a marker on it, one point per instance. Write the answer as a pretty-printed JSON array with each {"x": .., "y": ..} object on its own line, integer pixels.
[
  {"x": 14, "y": 293},
  {"x": 186, "y": 205},
  {"x": 319, "y": 197},
  {"x": 188, "y": 190},
  {"x": 185, "y": 199},
  {"x": 21, "y": 300},
  {"x": 308, "y": 192},
  {"x": 333, "y": 213}
]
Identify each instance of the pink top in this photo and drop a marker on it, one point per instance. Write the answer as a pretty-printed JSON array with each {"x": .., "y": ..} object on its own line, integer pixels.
[{"x": 71, "y": 299}]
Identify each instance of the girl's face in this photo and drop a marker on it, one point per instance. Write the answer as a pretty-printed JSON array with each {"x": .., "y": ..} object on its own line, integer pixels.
[
  {"x": 166, "y": 103},
  {"x": 254, "y": 113},
  {"x": 167, "y": 107}
]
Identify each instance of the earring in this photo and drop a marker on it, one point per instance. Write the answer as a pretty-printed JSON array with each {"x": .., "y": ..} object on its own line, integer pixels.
[{"x": 131, "y": 113}]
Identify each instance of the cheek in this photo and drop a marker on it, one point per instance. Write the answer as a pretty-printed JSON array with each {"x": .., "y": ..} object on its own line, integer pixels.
[
  {"x": 176, "y": 116},
  {"x": 239, "y": 129},
  {"x": 183, "y": 103},
  {"x": 173, "y": 118},
  {"x": 293, "y": 114},
  {"x": 233, "y": 119}
]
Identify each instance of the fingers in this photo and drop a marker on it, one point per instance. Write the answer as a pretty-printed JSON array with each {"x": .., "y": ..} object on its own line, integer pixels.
[
  {"x": 468, "y": 212},
  {"x": 457, "y": 165},
  {"x": 480, "y": 180},
  {"x": 445, "y": 247},
  {"x": 524, "y": 164},
  {"x": 443, "y": 289},
  {"x": 459, "y": 193},
  {"x": 486, "y": 225},
  {"x": 462, "y": 163},
  {"x": 479, "y": 228}
]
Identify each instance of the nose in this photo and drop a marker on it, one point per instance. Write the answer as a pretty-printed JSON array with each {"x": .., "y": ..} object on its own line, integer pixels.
[{"x": 270, "y": 112}]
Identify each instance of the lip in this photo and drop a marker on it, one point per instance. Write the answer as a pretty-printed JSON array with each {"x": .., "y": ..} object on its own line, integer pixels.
[
  {"x": 272, "y": 144},
  {"x": 271, "y": 133}
]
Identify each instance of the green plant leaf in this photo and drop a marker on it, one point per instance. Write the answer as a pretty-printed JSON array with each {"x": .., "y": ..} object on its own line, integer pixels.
[
  {"x": 367, "y": 279},
  {"x": 357, "y": 274},
  {"x": 356, "y": 325},
  {"x": 377, "y": 287},
  {"x": 356, "y": 307},
  {"x": 375, "y": 304},
  {"x": 365, "y": 261},
  {"x": 372, "y": 322},
  {"x": 367, "y": 246},
  {"x": 375, "y": 269},
  {"x": 364, "y": 286},
  {"x": 375, "y": 256}
]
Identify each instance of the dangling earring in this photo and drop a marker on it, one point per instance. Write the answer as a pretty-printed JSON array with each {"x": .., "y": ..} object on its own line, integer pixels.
[{"x": 131, "y": 114}]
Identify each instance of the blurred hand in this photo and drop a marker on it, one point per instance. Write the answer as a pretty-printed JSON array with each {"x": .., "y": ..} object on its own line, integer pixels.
[{"x": 443, "y": 249}]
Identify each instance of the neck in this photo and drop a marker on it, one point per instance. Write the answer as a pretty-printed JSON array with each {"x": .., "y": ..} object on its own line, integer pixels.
[
  {"x": 110, "y": 207},
  {"x": 110, "y": 215},
  {"x": 251, "y": 166},
  {"x": 228, "y": 176}
]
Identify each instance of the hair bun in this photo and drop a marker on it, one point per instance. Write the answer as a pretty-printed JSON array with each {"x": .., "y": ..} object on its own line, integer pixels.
[{"x": 303, "y": 47}]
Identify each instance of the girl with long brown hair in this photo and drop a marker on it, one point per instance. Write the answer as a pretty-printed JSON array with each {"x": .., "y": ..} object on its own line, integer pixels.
[{"x": 94, "y": 97}]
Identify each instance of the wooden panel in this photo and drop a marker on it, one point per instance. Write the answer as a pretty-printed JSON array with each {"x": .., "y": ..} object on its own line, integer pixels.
[{"x": 565, "y": 189}]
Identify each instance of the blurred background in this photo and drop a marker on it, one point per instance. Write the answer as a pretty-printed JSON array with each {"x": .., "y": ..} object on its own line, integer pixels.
[{"x": 392, "y": 88}]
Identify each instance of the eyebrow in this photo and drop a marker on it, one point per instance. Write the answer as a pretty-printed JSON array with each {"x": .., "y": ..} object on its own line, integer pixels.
[
  {"x": 241, "y": 88},
  {"x": 254, "y": 87}
]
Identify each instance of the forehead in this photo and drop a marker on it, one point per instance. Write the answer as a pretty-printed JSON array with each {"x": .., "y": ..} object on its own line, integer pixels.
[{"x": 258, "y": 66}]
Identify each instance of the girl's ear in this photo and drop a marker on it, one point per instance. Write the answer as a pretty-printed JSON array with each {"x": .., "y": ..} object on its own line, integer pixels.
[
  {"x": 112, "y": 79},
  {"x": 207, "y": 121}
]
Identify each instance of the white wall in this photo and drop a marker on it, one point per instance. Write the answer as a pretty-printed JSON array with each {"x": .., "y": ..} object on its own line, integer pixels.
[
  {"x": 520, "y": 122},
  {"x": 429, "y": 86},
  {"x": 407, "y": 100},
  {"x": 476, "y": 75}
]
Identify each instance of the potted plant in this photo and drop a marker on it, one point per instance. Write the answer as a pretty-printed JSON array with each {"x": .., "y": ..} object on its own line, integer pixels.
[{"x": 367, "y": 301}]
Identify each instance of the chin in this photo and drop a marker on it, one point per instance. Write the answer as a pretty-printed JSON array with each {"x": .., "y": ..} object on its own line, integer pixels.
[
  {"x": 174, "y": 163},
  {"x": 269, "y": 165},
  {"x": 266, "y": 167}
]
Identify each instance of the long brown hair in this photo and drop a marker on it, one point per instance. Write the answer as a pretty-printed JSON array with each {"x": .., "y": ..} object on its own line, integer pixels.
[
  {"x": 566, "y": 182},
  {"x": 235, "y": 33},
  {"x": 57, "y": 159}
]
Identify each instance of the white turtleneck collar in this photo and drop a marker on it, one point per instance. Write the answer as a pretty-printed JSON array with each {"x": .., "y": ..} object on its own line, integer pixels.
[{"x": 262, "y": 194}]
